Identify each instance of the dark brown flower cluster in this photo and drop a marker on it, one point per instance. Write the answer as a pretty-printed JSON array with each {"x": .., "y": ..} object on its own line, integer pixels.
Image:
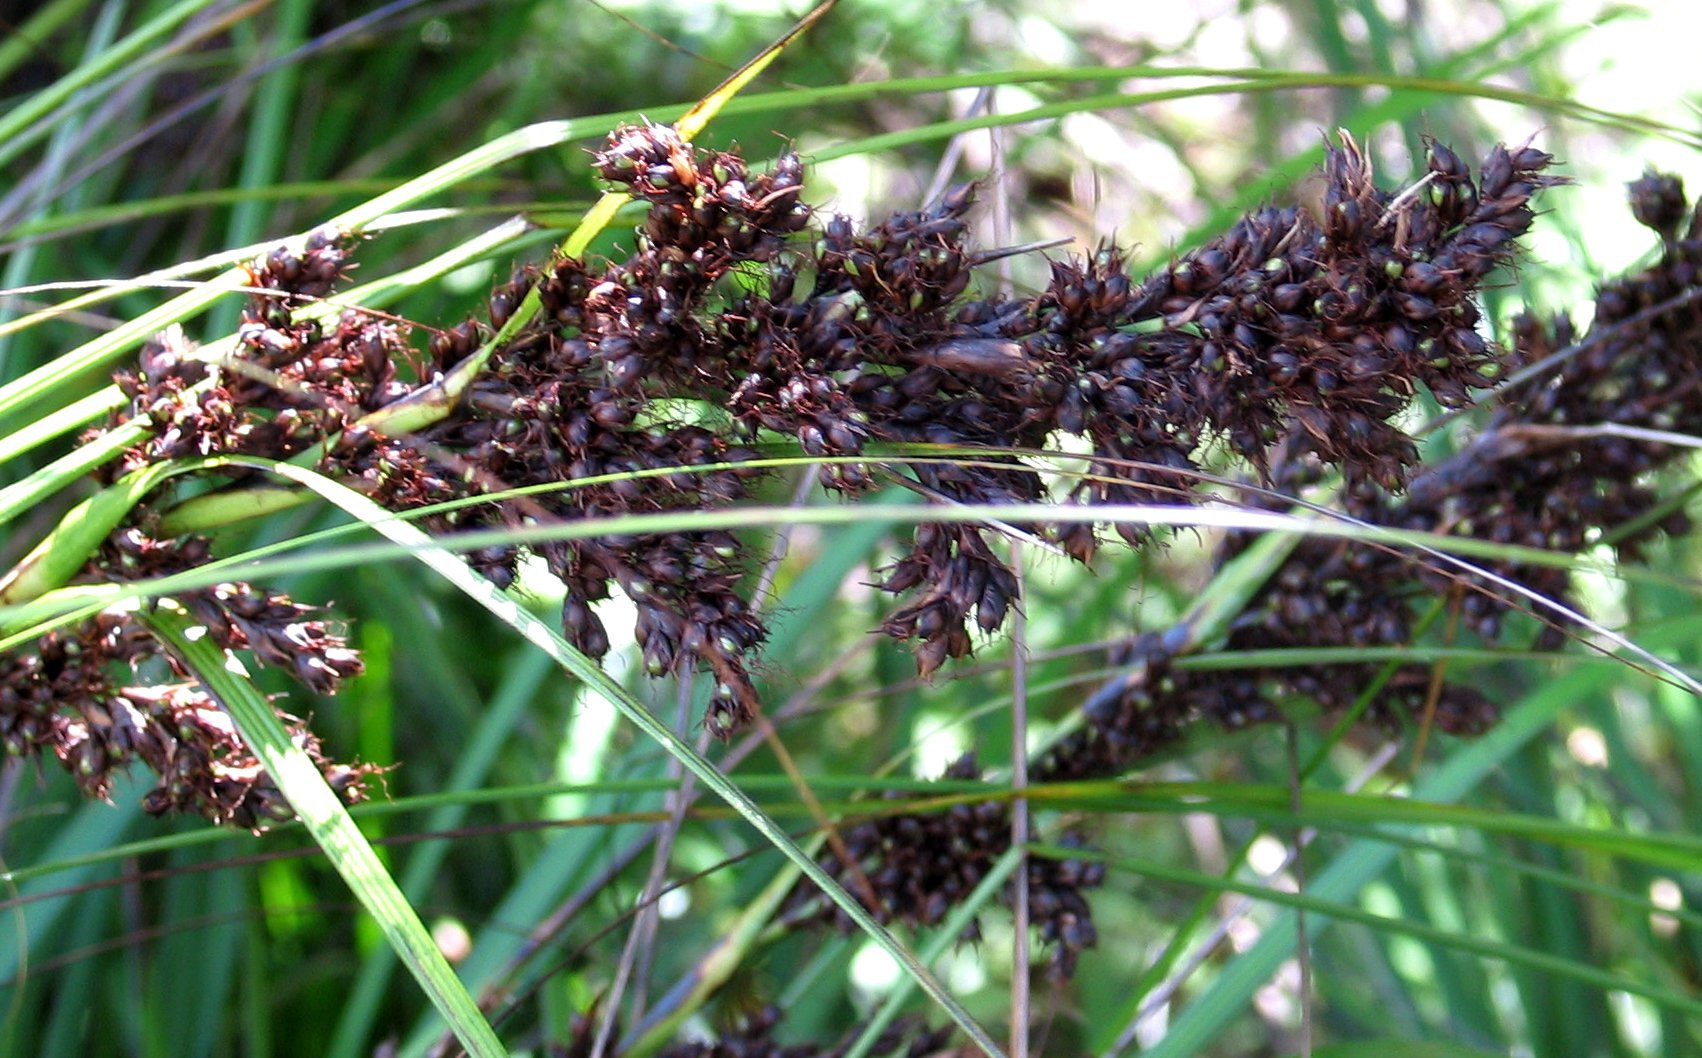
[
  {"x": 688, "y": 352},
  {"x": 647, "y": 385},
  {"x": 1322, "y": 323},
  {"x": 1553, "y": 468},
  {"x": 1560, "y": 464},
  {"x": 1330, "y": 322},
  {"x": 592, "y": 389},
  {"x": 1564, "y": 461},
  {"x": 1556, "y": 466},
  {"x": 292, "y": 383},
  {"x": 91, "y": 695},
  {"x": 921, "y": 865},
  {"x": 1290, "y": 321}
]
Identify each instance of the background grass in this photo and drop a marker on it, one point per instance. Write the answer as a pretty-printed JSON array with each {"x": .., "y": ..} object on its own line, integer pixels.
[{"x": 139, "y": 138}]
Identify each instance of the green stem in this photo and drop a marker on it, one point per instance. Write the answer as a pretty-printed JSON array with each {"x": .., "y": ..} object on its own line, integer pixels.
[
  {"x": 454, "y": 570},
  {"x": 328, "y": 821}
]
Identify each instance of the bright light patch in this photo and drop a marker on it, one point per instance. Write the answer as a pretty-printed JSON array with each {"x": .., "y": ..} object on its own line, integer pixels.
[
  {"x": 452, "y": 939},
  {"x": 470, "y": 278},
  {"x": 853, "y": 181},
  {"x": 967, "y": 973},
  {"x": 1267, "y": 855},
  {"x": 1639, "y": 1021},
  {"x": 1279, "y": 1001},
  {"x": 533, "y": 579},
  {"x": 674, "y": 903},
  {"x": 1587, "y": 747},
  {"x": 873, "y": 971},
  {"x": 1665, "y": 894},
  {"x": 939, "y": 741}
]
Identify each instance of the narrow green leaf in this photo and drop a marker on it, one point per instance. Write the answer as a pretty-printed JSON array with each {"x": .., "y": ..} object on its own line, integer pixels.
[
  {"x": 488, "y": 595},
  {"x": 56, "y": 559},
  {"x": 20, "y": 496},
  {"x": 472, "y": 765},
  {"x": 718, "y": 965},
  {"x": 1228, "y": 994},
  {"x": 949, "y": 933},
  {"x": 1403, "y": 1049},
  {"x": 90, "y": 830},
  {"x": 26, "y": 122},
  {"x": 325, "y": 817},
  {"x": 1561, "y": 967},
  {"x": 698, "y": 117}
]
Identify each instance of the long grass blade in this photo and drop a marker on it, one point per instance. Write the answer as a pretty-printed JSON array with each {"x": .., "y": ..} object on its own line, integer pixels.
[
  {"x": 458, "y": 573},
  {"x": 1227, "y": 995},
  {"x": 329, "y": 822}
]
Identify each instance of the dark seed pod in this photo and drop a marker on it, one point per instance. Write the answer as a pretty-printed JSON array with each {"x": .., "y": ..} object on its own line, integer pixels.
[{"x": 1658, "y": 203}]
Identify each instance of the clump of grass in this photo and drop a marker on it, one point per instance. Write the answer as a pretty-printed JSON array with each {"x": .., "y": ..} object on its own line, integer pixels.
[
  {"x": 1299, "y": 339},
  {"x": 612, "y": 415}
]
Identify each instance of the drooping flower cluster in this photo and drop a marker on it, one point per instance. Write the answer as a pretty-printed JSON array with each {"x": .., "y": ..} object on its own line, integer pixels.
[
  {"x": 1329, "y": 323},
  {"x": 649, "y": 383},
  {"x": 1559, "y": 465},
  {"x": 921, "y": 865},
  {"x": 1290, "y": 321},
  {"x": 92, "y": 696},
  {"x": 583, "y": 393},
  {"x": 292, "y": 383},
  {"x": 1553, "y": 468}
]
